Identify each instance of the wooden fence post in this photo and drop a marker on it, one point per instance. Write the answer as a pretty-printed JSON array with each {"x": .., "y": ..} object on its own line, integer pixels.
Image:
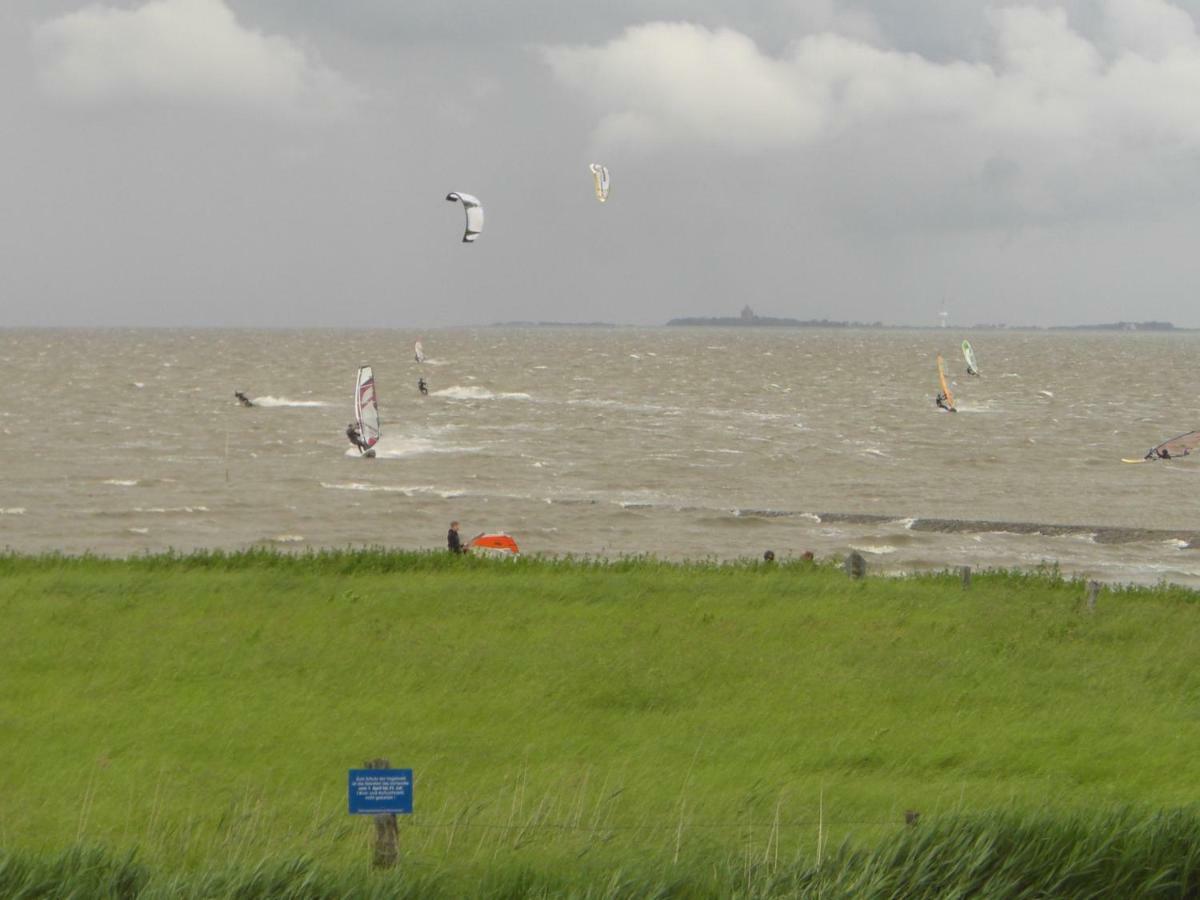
[
  {"x": 965, "y": 572},
  {"x": 1093, "y": 589},
  {"x": 386, "y": 848},
  {"x": 856, "y": 566}
]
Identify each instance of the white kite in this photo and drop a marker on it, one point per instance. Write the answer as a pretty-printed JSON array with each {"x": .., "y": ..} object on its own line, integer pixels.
[{"x": 474, "y": 213}]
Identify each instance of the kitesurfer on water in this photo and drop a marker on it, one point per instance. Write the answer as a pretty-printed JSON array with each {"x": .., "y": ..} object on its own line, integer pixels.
[
  {"x": 453, "y": 543},
  {"x": 941, "y": 402},
  {"x": 422, "y": 387},
  {"x": 243, "y": 399}
]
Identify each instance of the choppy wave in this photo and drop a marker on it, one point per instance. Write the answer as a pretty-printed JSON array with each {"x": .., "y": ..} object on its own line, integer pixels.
[
  {"x": 285, "y": 402},
  {"x": 471, "y": 392},
  {"x": 121, "y": 482},
  {"x": 406, "y": 490},
  {"x": 404, "y": 448},
  {"x": 12, "y": 511}
]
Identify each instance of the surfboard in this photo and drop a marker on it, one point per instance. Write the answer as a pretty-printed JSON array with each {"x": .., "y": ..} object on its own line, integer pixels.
[{"x": 1134, "y": 462}]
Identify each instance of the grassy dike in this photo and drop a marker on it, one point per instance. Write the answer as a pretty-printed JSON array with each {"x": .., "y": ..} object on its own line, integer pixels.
[{"x": 183, "y": 726}]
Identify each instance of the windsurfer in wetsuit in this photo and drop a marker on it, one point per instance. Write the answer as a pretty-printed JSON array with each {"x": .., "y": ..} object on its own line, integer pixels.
[
  {"x": 356, "y": 439},
  {"x": 422, "y": 387},
  {"x": 243, "y": 399},
  {"x": 941, "y": 402}
]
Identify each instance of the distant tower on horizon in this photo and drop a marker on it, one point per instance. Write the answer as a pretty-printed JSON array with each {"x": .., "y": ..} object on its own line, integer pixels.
[
  {"x": 943, "y": 315},
  {"x": 747, "y": 313}
]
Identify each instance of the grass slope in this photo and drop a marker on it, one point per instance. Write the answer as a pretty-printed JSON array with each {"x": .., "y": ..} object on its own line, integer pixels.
[{"x": 562, "y": 715}]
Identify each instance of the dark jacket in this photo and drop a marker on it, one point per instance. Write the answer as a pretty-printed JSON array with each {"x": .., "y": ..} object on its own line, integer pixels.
[{"x": 453, "y": 542}]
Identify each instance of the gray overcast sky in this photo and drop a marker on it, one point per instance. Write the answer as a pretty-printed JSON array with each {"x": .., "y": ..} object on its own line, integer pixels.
[{"x": 261, "y": 163}]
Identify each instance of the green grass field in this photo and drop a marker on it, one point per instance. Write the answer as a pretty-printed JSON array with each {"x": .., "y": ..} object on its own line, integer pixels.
[{"x": 575, "y": 726}]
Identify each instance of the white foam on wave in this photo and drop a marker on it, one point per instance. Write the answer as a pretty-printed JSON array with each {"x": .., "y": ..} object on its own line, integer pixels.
[
  {"x": 471, "y": 392},
  {"x": 288, "y": 538},
  {"x": 121, "y": 482},
  {"x": 1046, "y": 393},
  {"x": 408, "y": 490},
  {"x": 428, "y": 490},
  {"x": 285, "y": 402},
  {"x": 170, "y": 509},
  {"x": 139, "y": 384},
  {"x": 12, "y": 511},
  {"x": 878, "y": 549},
  {"x": 403, "y": 448},
  {"x": 138, "y": 530},
  {"x": 975, "y": 408}
]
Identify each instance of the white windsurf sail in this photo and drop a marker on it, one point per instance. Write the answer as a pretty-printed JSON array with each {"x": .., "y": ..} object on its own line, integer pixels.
[
  {"x": 366, "y": 408},
  {"x": 419, "y": 352}
]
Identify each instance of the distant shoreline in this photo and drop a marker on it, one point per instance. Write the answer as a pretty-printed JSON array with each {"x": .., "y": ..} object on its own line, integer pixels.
[{"x": 771, "y": 322}]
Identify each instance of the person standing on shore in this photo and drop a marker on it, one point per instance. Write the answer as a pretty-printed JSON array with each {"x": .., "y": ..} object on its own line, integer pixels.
[{"x": 453, "y": 543}]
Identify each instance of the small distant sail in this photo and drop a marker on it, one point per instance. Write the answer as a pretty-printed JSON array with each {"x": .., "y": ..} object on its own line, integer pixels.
[
  {"x": 419, "y": 352},
  {"x": 494, "y": 544},
  {"x": 600, "y": 177},
  {"x": 1178, "y": 446},
  {"x": 474, "y": 213},
  {"x": 969, "y": 356},
  {"x": 945, "y": 387},
  {"x": 366, "y": 407}
]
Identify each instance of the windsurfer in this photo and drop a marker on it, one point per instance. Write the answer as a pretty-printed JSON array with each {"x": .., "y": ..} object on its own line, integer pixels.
[
  {"x": 453, "y": 543},
  {"x": 243, "y": 399},
  {"x": 971, "y": 371},
  {"x": 422, "y": 387},
  {"x": 942, "y": 404},
  {"x": 356, "y": 439}
]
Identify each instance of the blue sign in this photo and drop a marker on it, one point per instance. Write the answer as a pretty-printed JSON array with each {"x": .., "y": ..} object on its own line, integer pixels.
[{"x": 376, "y": 792}]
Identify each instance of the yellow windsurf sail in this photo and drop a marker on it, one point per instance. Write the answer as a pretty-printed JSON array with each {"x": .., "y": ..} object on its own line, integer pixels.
[{"x": 942, "y": 378}]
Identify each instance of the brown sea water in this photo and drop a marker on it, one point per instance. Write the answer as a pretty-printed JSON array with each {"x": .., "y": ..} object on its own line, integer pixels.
[{"x": 684, "y": 443}]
